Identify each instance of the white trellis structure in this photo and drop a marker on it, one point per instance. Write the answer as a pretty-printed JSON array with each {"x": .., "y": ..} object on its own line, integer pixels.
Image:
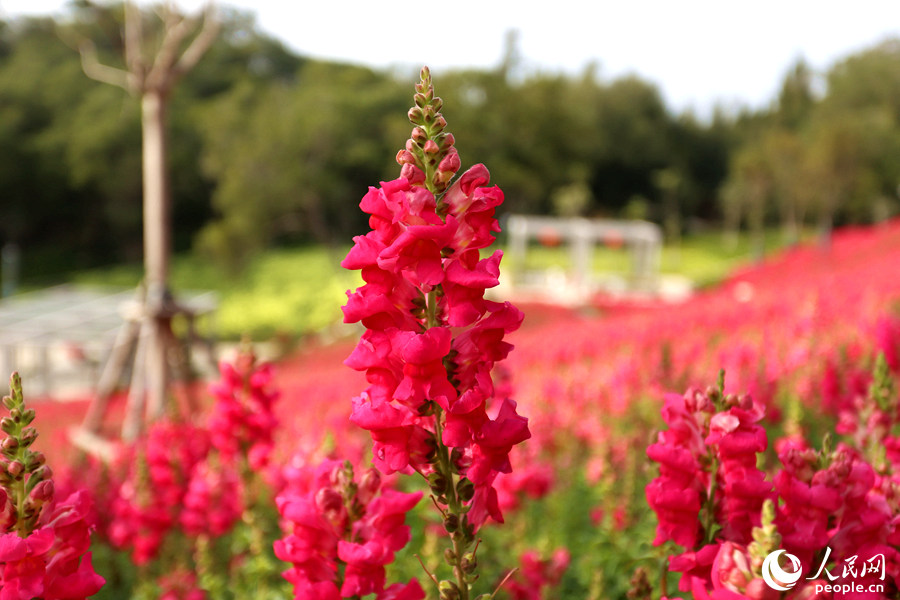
[{"x": 642, "y": 241}]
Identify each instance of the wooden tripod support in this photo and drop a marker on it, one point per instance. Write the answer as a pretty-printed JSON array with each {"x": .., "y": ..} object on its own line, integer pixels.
[{"x": 146, "y": 342}]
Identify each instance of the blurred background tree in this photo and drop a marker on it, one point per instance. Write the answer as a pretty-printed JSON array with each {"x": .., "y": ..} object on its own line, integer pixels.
[{"x": 270, "y": 148}]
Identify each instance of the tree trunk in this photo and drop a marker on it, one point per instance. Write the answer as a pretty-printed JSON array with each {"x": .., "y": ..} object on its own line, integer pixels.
[{"x": 157, "y": 247}]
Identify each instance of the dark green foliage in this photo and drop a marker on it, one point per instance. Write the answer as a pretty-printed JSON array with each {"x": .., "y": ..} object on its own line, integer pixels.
[{"x": 268, "y": 147}]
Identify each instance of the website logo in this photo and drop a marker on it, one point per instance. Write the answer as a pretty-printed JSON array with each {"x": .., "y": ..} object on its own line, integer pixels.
[
  {"x": 776, "y": 577},
  {"x": 779, "y": 579}
]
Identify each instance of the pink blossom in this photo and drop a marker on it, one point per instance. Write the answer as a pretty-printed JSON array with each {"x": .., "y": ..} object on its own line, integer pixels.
[{"x": 329, "y": 520}]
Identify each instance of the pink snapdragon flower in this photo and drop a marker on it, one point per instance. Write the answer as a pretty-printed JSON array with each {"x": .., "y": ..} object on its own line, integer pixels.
[
  {"x": 150, "y": 498},
  {"x": 537, "y": 576},
  {"x": 736, "y": 439},
  {"x": 680, "y": 450},
  {"x": 243, "y": 420},
  {"x": 331, "y": 520},
  {"x": 212, "y": 502},
  {"x": 414, "y": 260}
]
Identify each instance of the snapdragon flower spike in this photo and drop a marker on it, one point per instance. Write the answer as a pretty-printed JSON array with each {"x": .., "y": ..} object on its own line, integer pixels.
[
  {"x": 150, "y": 499},
  {"x": 23, "y": 473},
  {"x": 43, "y": 545},
  {"x": 432, "y": 338},
  {"x": 212, "y": 503},
  {"x": 737, "y": 438},
  {"x": 536, "y": 575},
  {"x": 340, "y": 533},
  {"x": 243, "y": 421},
  {"x": 678, "y": 493},
  {"x": 837, "y": 503},
  {"x": 709, "y": 490}
]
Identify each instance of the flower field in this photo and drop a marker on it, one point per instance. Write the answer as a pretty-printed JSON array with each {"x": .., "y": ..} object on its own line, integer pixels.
[{"x": 465, "y": 448}]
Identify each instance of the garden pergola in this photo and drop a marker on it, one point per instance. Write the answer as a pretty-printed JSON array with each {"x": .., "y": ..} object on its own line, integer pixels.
[{"x": 642, "y": 240}]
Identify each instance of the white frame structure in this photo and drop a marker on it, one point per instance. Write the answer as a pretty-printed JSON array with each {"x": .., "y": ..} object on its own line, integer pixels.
[{"x": 642, "y": 239}]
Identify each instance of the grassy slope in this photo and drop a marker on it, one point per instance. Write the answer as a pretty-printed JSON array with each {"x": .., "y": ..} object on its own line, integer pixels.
[
  {"x": 298, "y": 291},
  {"x": 284, "y": 291}
]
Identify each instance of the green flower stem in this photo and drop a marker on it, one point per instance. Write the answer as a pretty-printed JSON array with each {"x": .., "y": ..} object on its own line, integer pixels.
[
  {"x": 709, "y": 506},
  {"x": 455, "y": 509},
  {"x": 431, "y": 319},
  {"x": 428, "y": 151}
]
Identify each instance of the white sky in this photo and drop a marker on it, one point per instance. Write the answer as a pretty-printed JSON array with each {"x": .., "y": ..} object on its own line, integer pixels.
[{"x": 699, "y": 52}]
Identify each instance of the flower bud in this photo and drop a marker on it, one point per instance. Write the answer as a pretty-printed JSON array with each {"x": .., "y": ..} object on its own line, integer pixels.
[
  {"x": 450, "y": 163},
  {"x": 758, "y": 589},
  {"x": 413, "y": 173},
  {"x": 437, "y": 482},
  {"x": 405, "y": 157},
  {"x": 451, "y": 523},
  {"x": 448, "y": 590},
  {"x": 369, "y": 485},
  {"x": 419, "y": 136},
  {"x": 329, "y": 501},
  {"x": 15, "y": 468},
  {"x": 7, "y": 512},
  {"x": 29, "y": 434},
  {"x": 442, "y": 179},
  {"x": 415, "y": 115},
  {"x": 431, "y": 147},
  {"x": 465, "y": 489},
  {"x": 42, "y": 492},
  {"x": 339, "y": 476},
  {"x": 36, "y": 460}
]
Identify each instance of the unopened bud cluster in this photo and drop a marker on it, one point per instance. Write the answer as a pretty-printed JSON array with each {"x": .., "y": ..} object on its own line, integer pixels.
[
  {"x": 24, "y": 476},
  {"x": 429, "y": 157}
]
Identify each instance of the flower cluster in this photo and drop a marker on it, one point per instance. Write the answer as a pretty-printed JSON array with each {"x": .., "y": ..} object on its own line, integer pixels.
[
  {"x": 150, "y": 497},
  {"x": 341, "y": 533},
  {"x": 44, "y": 547},
  {"x": 826, "y": 505},
  {"x": 212, "y": 502},
  {"x": 431, "y": 337},
  {"x": 180, "y": 584},
  {"x": 196, "y": 476},
  {"x": 737, "y": 439},
  {"x": 709, "y": 490},
  {"x": 536, "y": 575},
  {"x": 676, "y": 495},
  {"x": 830, "y": 499},
  {"x": 243, "y": 421}
]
